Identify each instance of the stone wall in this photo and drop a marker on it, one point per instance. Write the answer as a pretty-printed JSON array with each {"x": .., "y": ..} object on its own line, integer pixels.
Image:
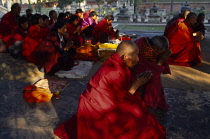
[{"x": 177, "y": 5}]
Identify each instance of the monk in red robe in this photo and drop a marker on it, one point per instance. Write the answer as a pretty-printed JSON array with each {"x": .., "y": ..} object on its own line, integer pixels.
[
  {"x": 184, "y": 43},
  {"x": 74, "y": 31},
  {"x": 53, "y": 17},
  {"x": 33, "y": 38},
  {"x": 7, "y": 24},
  {"x": 104, "y": 31},
  {"x": 15, "y": 42},
  {"x": 109, "y": 108},
  {"x": 54, "y": 53},
  {"x": 153, "y": 54}
]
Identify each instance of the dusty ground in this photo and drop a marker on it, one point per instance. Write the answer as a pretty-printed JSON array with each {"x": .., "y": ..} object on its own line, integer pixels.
[{"x": 187, "y": 92}]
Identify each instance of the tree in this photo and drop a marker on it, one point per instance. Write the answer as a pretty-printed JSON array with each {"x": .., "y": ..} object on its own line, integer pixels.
[
  {"x": 79, "y": 1},
  {"x": 62, "y": 4},
  {"x": 38, "y": 6}
]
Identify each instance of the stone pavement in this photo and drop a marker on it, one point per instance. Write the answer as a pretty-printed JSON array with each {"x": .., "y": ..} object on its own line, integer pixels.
[{"x": 188, "y": 117}]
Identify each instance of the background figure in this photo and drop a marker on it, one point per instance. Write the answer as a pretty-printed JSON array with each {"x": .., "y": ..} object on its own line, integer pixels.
[
  {"x": 54, "y": 53},
  {"x": 33, "y": 37},
  {"x": 184, "y": 44},
  {"x": 86, "y": 14},
  {"x": 199, "y": 26},
  {"x": 153, "y": 54},
  {"x": 79, "y": 13},
  {"x": 89, "y": 23},
  {"x": 61, "y": 16},
  {"x": 181, "y": 16},
  {"x": 53, "y": 17},
  {"x": 109, "y": 108},
  {"x": 7, "y": 24},
  {"x": 74, "y": 31},
  {"x": 103, "y": 31},
  {"x": 15, "y": 42}
]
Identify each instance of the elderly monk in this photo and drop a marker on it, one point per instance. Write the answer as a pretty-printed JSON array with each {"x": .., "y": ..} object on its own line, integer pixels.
[
  {"x": 7, "y": 24},
  {"x": 184, "y": 43},
  {"x": 153, "y": 54},
  {"x": 109, "y": 108}
]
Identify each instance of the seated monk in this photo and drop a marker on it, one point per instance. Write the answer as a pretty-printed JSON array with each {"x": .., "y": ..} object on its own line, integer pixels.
[
  {"x": 89, "y": 23},
  {"x": 153, "y": 54},
  {"x": 15, "y": 42},
  {"x": 74, "y": 31},
  {"x": 7, "y": 24},
  {"x": 45, "y": 28},
  {"x": 184, "y": 43},
  {"x": 33, "y": 37},
  {"x": 109, "y": 108},
  {"x": 104, "y": 31},
  {"x": 54, "y": 53}
]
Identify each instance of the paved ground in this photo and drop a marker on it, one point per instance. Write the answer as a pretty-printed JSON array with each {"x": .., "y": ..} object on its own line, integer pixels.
[{"x": 187, "y": 91}]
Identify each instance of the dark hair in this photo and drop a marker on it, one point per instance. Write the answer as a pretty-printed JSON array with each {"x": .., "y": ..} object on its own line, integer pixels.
[
  {"x": 73, "y": 18},
  {"x": 191, "y": 15},
  {"x": 28, "y": 10},
  {"x": 160, "y": 42},
  {"x": 58, "y": 25},
  {"x": 79, "y": 11},
  {"x": 61, "y": 16},
  {"x": 109, "y": 17},
  {"x": 22, "y": 20},
  {"x": 44, "y": 17},
  {"x": 51, "y": 12},
  {"x": 201, "y": 15},
  {"x": 15, "y": 5},
  {"x": 93, "y": 13},
  {"x": 35, "y": 19},
  {"x": 67, "y": 13}
]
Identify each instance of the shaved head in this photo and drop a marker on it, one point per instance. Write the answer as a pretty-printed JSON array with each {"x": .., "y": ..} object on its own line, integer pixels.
[
  {"x": 128, "y": 51},
  {"x": 126, "y": 47},
  {"x": 159, "y": 43}
]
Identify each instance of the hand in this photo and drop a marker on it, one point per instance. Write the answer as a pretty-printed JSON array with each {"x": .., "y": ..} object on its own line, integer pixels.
[
  {"x": 141, "y": 79},
  {"x": 164, "y": 57},
  {"x": 68, "y": 45}
]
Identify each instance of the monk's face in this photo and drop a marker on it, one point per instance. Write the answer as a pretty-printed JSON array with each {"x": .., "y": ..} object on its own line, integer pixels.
[
  {"x": 109, "y": 21},
  {"x": 17, "y": 10},
  {"x": 54, "y": 15},
  {"x": 75, "y": 22},
  {"x": 40, "y": 22},
  {"x": 132, "y": 59},
  {"x": 46, "y": 22},
  {"x": 62, "y": 30},
  {"x": 192, "y": 21},
  {"x": 24, "y": 26}
]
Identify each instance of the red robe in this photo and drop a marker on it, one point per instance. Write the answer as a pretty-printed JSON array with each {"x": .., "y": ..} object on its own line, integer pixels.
[
  {"x": 7, "y": 25},
  {"x": 185, "y": 49},
  {"x": 31, "y": 41},
  {"x": 102, "y": 26},
  {"x": 153, "y": 93},
  {"x": 107, "y": 110},
  {"x": 75, "y": 37},
  {"x": 18, "y": 35},
  {"x": 48, "y": 55}
]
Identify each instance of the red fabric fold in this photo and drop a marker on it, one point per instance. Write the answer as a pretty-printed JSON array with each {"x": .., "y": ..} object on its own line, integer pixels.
[{"x": 107, "y": 110}]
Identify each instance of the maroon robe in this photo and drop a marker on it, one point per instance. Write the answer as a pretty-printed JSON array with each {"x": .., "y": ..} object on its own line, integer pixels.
[
  {"x": 107, "y": 110},
  {"x": 152, "y": 91},
  {"x": 48, "y": 54},
  {"x": 185, "y": 49},
  {"x": 102, "y": 27},
  {"x": 18, "y": 35},
  {"x": 7, "y": 25},
  {"x": 75, "y": 37},
  {"x": 31, "y": 41}
]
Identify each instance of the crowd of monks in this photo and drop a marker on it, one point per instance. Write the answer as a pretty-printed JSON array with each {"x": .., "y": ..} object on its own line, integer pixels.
[{"x": 114, "y": 104}]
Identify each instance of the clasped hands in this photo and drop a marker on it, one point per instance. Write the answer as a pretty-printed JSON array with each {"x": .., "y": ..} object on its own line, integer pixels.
[
  {"x": 68, "y": 45},
  {"x": 140, "y": 80}
]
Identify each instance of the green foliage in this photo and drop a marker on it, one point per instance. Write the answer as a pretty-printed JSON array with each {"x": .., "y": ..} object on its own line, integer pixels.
[{"x": 62, "y": 4}]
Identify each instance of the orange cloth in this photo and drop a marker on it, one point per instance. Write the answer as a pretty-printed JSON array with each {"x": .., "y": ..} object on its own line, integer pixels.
[
  {"x": 34, "y": 94},
  {"x": 185, "y": 48}
]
